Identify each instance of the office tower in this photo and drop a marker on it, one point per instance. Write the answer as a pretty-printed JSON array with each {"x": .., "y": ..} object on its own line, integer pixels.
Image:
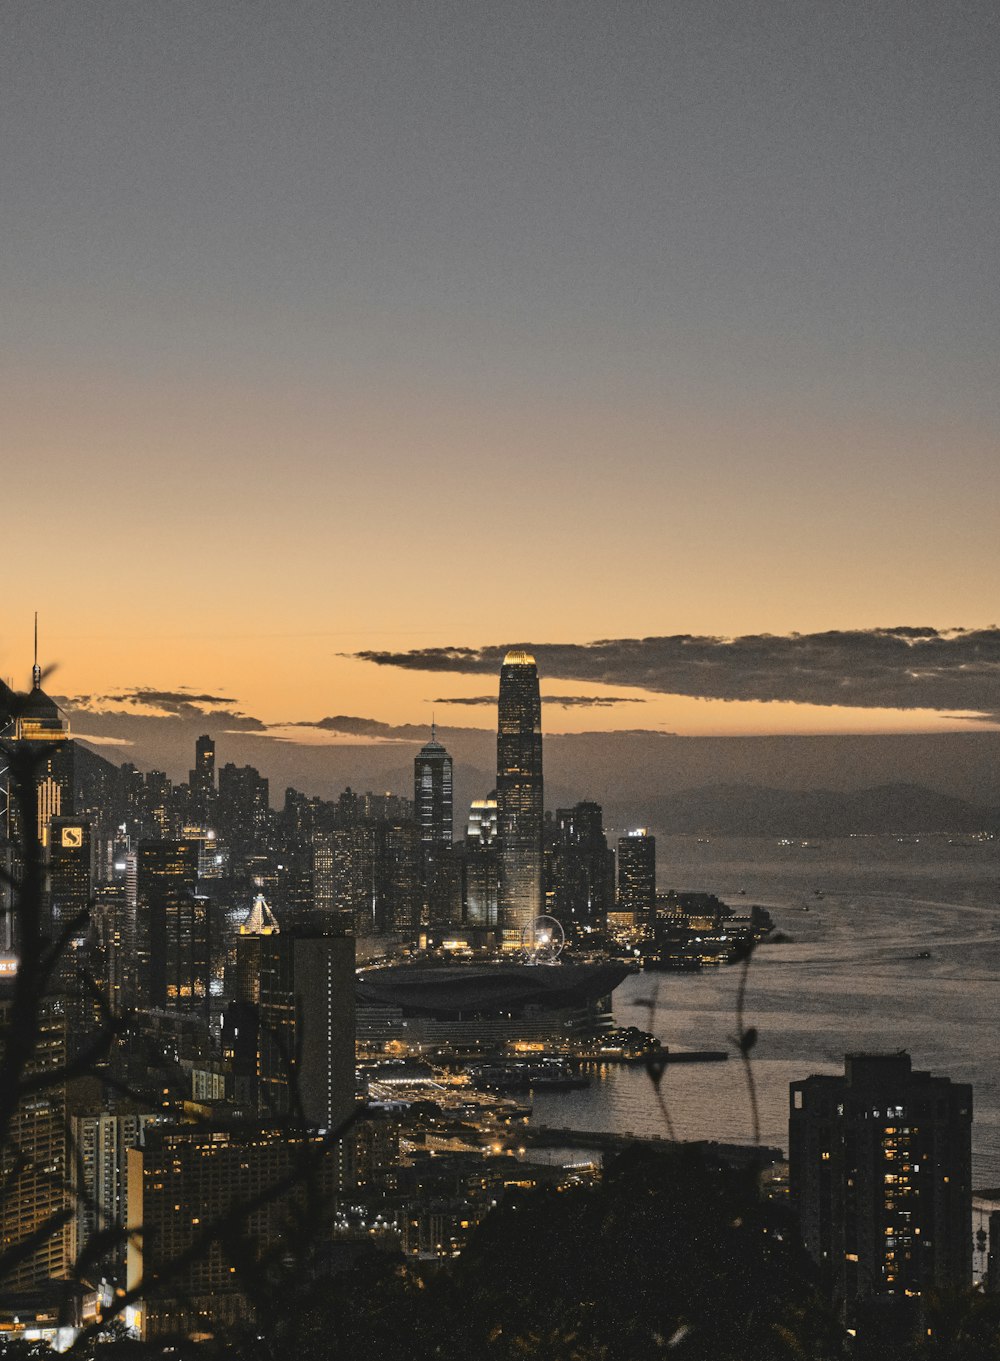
[
  {"x": 582, "y": 868},
  {"x": 482, "y": 824},
  {"x": 304, "y": 997},
  {"x": 172, "y": 932},
  {"x": 8, "y": 702},
  {"x": 35, "y": 1164},
  {"x": 41, "y": 734},
  {"x": 114, "y": 947},
  {"x": 519, "y": 795},
  {"x": 80, "y": 963},
  {"x": 243, "y": 977},
  {"x": 880, "y": 1176},
  {"x": 71, "y": 874},
  {"x": 636, "y": 878},
  {"x": 201, "y": 781},
  {"x": 432, "y": 801},
  {"x": 479, "y": 868},
  {"x": 432, "y": 794}
]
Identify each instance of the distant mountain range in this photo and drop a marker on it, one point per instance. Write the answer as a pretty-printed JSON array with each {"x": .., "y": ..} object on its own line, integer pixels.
[
  {"x": 749, "y": 810},
  {"x": 767, "y": 786}
]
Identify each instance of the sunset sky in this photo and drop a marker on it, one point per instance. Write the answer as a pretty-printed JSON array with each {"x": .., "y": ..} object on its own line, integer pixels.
[{"x": 375, "y": 328}]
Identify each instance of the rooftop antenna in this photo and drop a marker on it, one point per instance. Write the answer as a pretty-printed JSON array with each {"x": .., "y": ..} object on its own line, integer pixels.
[
  {"x": 433, "y": 728},
  {"x": 36, "y": 670}
]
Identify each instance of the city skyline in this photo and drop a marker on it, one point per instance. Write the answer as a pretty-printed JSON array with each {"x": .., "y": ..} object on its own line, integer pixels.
[
  {"x": 713, "y": 289},
  {"x": 384, "y": 387}
]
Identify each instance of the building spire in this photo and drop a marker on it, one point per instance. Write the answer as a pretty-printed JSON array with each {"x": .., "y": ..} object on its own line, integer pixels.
[
  {"x": 433, "y": 728},
  {"x": 36, "y": 670}
]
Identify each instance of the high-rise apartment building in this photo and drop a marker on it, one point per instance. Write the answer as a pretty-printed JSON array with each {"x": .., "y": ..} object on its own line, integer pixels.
[
  {"x": 37, "y": 1226},
  {"x": 880, "y": 1176},
  {"x": 101, "y": 1142},
  {"x": 273, "y": 1186},
  {"x": 519, "y": 795},
  {"x": 243, "y": 806}
]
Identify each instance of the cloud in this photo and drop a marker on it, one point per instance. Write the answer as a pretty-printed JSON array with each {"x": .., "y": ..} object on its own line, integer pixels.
[
  {"x": 347, "y": 725},
  {"x": 352, "y": 726},
  {"x": 903, "y": 667},
  {"x": 562, "y": 701},
  {"x": 146, "y": 702},
  {"x": 102, "y": 740}
]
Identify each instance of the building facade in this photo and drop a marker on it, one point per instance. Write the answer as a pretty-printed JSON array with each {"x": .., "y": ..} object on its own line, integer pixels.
[
  {"x": 582, "y": 868},
  {"x": 636, "y": 878},
  {"x": 520, "y": 807},
  {"x": 260, "y": 1181},
  {"x": 432, "y": 795},
  {"x": 880, "y": 1176},
  {"x": 37, "y": 1225},
  {"x": 297, "y": 1007},
  {"x": 172, "y": 926}
]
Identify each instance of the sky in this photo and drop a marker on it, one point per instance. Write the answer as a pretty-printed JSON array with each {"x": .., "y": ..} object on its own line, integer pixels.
[{"x": 340, "y": 339}]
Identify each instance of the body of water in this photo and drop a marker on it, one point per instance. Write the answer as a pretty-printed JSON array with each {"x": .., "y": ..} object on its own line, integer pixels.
[{"x": 851, "y": 979}]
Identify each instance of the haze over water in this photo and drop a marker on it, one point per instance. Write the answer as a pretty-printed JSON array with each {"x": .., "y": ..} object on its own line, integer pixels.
[{"x": 851, "y": 979}]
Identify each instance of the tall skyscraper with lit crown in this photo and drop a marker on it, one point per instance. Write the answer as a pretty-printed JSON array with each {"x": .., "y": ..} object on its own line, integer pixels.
[{"x": 519, "y": 794}]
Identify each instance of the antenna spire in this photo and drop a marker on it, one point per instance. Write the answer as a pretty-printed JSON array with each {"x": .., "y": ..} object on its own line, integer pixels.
[
  {"x": 36, "y": 670},
  {"x": 433, "y": 728}
]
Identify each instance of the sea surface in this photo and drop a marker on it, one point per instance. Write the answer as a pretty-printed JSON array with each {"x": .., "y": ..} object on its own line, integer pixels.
[{"x": 850, "y": 979}]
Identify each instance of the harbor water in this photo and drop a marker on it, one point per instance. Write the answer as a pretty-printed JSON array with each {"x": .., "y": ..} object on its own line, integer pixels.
[{"x": 895, "y": 945}]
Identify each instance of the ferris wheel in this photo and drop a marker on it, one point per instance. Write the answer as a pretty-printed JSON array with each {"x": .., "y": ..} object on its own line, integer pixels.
[{"x": 542, "y": 940}]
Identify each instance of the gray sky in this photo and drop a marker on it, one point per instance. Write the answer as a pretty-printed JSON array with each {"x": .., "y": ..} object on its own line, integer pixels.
[{"x": 699, "y": 301}]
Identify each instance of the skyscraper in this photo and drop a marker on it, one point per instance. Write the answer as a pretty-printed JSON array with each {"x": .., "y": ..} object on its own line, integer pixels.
[
  {"x": 37, "y": 1229},
  {"x": 637, "y": 876},
  {"x": 432, "y": 802},
  {"x": 582, "y": 867},
  {"x": 41, "y": 729},
  {"x": 519, "y": 794},
  {"x": 482, "y": 824},
  {"x": 202, "y": 781},
  {"x": 242, "y": 807},
  {"x": 71, "y": 869},
  {"x": 299, "y": 991},
  {"x": 432, "y": 794},
  {"x": 173, "y": 926},
  {"x": 880, "y": 1175}
]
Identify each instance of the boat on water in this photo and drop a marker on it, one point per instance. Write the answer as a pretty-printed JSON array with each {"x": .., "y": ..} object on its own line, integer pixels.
[
  {"x": 695, "y": 1056},
  {"x": 548, "y": 1075}
]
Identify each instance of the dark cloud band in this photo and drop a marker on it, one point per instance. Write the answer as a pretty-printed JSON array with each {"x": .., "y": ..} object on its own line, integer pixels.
[
  {"x": 560, "y": 701},
  {"x": 892, "y": 668}
]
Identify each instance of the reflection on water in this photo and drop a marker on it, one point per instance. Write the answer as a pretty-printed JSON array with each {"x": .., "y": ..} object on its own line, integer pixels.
[{"x": 852, "y": 978}]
